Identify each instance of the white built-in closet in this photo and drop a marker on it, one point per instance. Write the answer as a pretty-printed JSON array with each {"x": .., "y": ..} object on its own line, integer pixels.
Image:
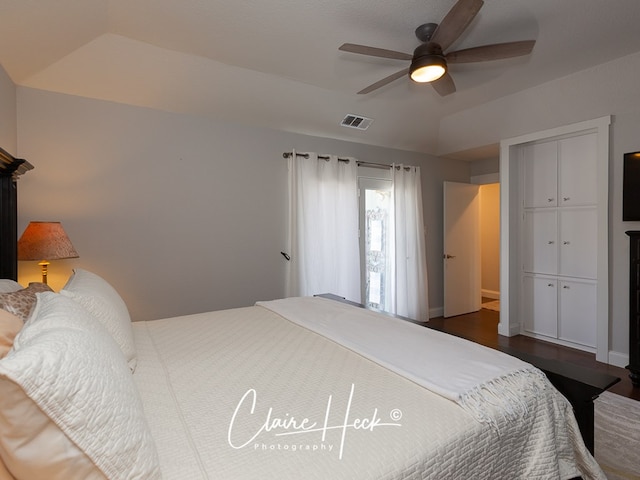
[
  {"x": 559, "y": 239},
  {"x": 555, "y": 242}
]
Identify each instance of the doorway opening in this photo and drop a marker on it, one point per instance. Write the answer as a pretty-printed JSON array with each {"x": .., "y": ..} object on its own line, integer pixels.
[
  {"x": 471, "y": 246},
  {"x": 490, "y": 245}
]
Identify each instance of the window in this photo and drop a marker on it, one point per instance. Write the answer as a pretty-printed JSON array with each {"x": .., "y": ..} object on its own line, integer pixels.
[
  {"x": 375, "y": 228},
  {"x": 352, "y": 249}
]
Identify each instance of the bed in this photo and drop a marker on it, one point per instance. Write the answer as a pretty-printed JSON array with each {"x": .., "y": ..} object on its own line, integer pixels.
[{"x": 290, "y": 388}]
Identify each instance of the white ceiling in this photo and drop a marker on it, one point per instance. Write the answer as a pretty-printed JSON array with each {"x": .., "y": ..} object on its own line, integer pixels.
[{"x": 276, "y": 63}]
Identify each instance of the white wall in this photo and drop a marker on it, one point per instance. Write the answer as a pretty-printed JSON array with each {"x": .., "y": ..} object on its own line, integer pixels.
[
  {"x": 180, "y": 213},
  {"x": 8, "y": 128},
  {"x": 608, "y": 89}
]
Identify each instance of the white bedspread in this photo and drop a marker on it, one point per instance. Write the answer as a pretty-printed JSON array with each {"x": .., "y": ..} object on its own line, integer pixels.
[
  {"x": 467, "y": 373},
  {"x": 246, "y": 393}
]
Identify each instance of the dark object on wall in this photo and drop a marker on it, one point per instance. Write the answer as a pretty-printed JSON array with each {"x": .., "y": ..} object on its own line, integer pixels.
[
  {"x": 631, "y": 187},
  {"x": 634, "y": 307},
  {"x": 10, "y": 169}
]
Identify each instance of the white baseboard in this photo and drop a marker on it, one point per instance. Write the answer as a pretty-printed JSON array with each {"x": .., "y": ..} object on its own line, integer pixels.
[
  {"x": 508, "y": 330},
  {"x": 436, "y": 312},
  {"x": 618, "y": 359},
  {"x": 490, "y": 294}
]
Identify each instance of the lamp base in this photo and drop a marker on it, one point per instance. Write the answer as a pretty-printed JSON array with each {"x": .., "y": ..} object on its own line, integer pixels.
[{"x": 44, "y": 266}]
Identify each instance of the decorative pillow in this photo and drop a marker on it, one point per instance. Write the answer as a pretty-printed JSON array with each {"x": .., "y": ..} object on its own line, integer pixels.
[
  {"x": 7, "y": 285},
  {"x": 101, "y": 299},
  {"x": 21, "y": 302},
  {"x": 10, "y": 325},
  {"x": 67, "y": 391}
]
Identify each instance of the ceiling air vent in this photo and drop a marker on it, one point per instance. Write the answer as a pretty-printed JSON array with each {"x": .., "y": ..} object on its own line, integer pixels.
[{"x": 356, "y": 121}]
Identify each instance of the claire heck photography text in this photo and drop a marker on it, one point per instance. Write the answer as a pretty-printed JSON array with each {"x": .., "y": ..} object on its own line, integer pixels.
[{"x": 286, "y": 431}]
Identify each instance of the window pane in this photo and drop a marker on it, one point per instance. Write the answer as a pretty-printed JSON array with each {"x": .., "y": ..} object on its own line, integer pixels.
[{"x": 376, "y": 205}]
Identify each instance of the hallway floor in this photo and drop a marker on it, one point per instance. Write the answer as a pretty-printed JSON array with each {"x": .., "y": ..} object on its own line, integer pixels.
[{"x": 482, "y": 327}]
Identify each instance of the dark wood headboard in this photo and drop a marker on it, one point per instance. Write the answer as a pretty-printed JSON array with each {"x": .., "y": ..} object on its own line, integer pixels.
[{"x": 10, "y": 169}]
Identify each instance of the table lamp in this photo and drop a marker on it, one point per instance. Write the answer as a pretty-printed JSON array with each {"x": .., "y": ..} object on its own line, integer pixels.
[{"x": 45, "y": 241}]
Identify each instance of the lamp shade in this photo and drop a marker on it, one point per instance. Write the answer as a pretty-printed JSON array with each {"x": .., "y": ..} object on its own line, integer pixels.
[{"x": 45, "y": 241}]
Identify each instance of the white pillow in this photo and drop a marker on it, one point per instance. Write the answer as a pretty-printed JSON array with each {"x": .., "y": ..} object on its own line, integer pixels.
[
  {"x": 102, "y": 300},
  {"x": 67, "y": 390},
  {"x": 7, "y": 285},
  {"x": 10, "y": 325},
  {"x": 23, "y": 449},
  {"x": 4, "y": 473},
  {"x": 57, "y": 311}
]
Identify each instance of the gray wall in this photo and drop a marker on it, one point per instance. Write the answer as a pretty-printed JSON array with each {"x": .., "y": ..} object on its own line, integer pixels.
[
  {"x": 484, "y": 167},
  {"x": 181, "y": 214},
  {"x": 8, "y": 129}
]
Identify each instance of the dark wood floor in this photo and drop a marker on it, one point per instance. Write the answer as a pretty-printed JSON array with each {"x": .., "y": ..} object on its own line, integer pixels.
[{"x": 482, "y": 327}]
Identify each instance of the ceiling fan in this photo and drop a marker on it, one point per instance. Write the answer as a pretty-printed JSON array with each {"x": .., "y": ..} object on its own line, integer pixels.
[{"x": 429, "y": 63}]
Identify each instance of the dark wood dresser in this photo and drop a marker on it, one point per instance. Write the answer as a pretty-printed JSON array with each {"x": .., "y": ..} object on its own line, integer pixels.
[
  {"x": 634, "y": 307},
  {"x": 10, "y": 169}
]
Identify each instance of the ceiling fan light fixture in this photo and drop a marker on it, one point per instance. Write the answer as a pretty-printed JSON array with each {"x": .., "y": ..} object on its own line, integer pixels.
[
  {"x": 427, "y": 68},
  {"x": 429, "y": 62}
]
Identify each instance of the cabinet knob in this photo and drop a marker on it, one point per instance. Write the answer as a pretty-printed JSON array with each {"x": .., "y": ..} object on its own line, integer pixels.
[
  {"x": 566, "y": 199},
  {"x": 549, "y": 200},
  {"x": 551, "y": 242},
  {"x": 566, "y": 242},
  {"x": 567, "y": 287},
  {"x": 549, "y": 284}
]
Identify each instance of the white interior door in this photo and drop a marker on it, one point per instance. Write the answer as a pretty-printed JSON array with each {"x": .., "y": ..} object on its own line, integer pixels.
[{"x": 462, "y": 279}]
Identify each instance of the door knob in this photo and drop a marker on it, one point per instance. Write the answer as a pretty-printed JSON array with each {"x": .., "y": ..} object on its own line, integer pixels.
[{"x": 449, "y": 256}]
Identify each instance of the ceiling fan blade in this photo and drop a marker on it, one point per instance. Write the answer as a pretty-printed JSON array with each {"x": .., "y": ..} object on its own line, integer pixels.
[
  {"x": 444, "y": 85},
  {"x": 487, "y": 53},
  {"x": 374, "y": 52},
  {"x": 455, "y": 22},
  {"x": 384, "y": 81}
]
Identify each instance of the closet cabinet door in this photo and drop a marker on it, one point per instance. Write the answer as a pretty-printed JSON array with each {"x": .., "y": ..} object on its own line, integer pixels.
[
  {"x": 540, "y": 307},
  {"x": 577, "y": 167},
  {"x": 577, "y": 312},
  {"x": 578, "y": 242},
  {"x": 540, "y": 249},
  {"x": 540, "y": 162},
  {"x": 559, "y": 202}
]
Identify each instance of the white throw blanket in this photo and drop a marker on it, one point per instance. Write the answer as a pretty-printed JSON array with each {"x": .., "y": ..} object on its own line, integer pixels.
[{"x": 474, "y": 376}]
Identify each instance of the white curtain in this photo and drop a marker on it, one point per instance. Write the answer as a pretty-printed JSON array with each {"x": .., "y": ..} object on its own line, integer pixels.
[
  {"x": 408, "y": 278},
  {"x": 323, "y": 227}
]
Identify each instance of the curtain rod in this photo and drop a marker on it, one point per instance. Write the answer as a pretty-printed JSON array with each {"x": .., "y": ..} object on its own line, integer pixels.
[{"x": 358, "y": 162}]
